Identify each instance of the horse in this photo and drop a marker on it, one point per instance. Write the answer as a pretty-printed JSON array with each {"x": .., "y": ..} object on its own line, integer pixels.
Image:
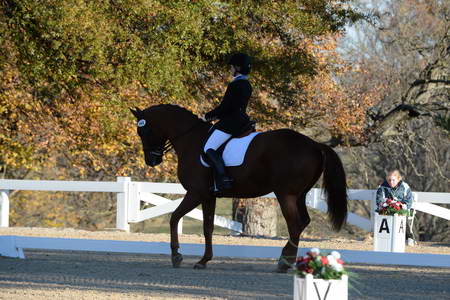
[{"x": 282, "y": 161}]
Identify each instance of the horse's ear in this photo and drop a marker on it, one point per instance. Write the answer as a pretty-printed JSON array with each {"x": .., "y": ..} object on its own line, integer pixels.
[{"x": 136, "y": 112}]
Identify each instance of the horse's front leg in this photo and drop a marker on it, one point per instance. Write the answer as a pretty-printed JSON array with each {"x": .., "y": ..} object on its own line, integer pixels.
[
  {"x": 209, "y": 208},
  {"x": 189, "y": 203}
]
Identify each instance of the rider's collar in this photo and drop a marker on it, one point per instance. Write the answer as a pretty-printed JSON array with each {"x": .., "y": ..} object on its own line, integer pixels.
[{"x": 240, "y": 76}]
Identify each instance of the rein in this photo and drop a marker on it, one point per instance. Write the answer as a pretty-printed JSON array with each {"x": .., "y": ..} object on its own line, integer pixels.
[{"x": 169, "y": 144}]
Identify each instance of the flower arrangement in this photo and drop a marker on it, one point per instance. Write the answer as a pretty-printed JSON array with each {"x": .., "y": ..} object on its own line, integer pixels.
[
  {"x": 391, "y": 207},
  {"x": 320, "y": 265}
]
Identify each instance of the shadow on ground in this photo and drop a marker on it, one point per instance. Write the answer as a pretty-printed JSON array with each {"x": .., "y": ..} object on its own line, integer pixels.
[{"x": 224, "y": 278}]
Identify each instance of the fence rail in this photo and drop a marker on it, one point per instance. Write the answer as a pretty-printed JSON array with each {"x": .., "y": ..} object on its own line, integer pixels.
[
  {"x": 129, "y": 197},
  {"x": 12, "y": 246},
  {"x": 131, "y": 193}
]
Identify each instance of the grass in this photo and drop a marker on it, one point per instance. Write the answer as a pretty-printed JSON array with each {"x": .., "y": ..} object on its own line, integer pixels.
[
  {"x": 193, "y": 226},
  {"x": 319, "y": 226},
  {"x": 190, "y": 226}
]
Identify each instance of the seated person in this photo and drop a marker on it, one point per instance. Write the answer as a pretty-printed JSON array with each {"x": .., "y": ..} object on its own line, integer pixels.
[
  {"x": 232, "y": 117},
  {"x": 396, "y": 189}
]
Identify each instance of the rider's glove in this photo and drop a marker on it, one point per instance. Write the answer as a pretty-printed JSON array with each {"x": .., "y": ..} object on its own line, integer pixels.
[{"x": 209, "y": 117}]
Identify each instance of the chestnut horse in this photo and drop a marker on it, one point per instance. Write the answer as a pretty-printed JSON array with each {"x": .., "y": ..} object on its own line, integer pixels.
[{"x": 281, "y": 161}]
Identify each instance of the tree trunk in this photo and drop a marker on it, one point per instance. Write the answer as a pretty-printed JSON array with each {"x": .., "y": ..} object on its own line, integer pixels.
[{"x": 258, "y": 216}]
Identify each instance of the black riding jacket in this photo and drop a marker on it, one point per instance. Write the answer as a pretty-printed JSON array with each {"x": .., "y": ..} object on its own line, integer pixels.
[{"x": 231, "y": 112}]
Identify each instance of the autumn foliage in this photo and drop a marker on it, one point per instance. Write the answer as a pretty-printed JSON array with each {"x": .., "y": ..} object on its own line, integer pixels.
[{"x": 71, "y": 70}]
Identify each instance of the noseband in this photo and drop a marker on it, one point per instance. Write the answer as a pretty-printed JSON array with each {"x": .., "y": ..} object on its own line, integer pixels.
[{"x": 160, "y": 150}]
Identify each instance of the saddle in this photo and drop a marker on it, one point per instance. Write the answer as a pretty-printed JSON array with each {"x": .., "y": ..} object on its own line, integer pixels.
[
  {"x": 249, "y": 128},
  {"x": 246, "y": 130}
]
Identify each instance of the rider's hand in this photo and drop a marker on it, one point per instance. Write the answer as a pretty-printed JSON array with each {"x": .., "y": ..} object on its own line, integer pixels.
[{"x": 208, "y": 117}]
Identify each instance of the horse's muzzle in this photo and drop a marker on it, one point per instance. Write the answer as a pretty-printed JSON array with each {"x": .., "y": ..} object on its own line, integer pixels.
[{"x": 153, "y": 160}]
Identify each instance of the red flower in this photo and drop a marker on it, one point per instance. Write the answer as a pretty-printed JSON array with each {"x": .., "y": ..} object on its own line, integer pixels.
[
  {"x": 311, "y": 265},
  {"x": 301, "y": 266}
]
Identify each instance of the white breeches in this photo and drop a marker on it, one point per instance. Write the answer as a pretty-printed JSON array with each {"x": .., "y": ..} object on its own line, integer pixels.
[{"x": 216, "y": 139}]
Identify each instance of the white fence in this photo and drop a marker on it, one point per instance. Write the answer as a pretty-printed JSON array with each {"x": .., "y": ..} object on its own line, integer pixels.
[
  {"x": 12, "y": 246},
  {"x": 129, "y": 197},
  {"x": 131, "y": 193}
]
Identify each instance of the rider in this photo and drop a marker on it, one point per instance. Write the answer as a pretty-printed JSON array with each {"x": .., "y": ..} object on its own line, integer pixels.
[{"x": 231, "y": 115}]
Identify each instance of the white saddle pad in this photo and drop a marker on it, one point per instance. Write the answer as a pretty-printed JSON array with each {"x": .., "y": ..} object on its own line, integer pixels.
[{"x": 234, "y": 152}]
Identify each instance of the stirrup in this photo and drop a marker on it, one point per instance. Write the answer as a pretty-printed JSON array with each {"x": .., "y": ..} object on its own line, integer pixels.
[
  {"x": 220, "y": 186},
  {"x": 226, "y": 183}
]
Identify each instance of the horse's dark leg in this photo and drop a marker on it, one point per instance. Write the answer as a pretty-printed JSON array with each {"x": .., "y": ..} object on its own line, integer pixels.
[
  {"x": 288, "y": 204},
  {"x": 189, "y": 203},
  {"x": 209, "y": 207},
  {"x": 303, "y": 212}
]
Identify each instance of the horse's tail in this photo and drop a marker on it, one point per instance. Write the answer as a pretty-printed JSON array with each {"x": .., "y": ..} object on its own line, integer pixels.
[{"x": 335, "y": 186}]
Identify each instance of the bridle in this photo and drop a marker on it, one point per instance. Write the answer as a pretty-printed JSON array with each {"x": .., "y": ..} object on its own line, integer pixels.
[{"x": 168, "y": 145}]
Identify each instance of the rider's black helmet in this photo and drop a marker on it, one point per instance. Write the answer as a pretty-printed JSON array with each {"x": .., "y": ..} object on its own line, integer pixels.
[{"x": 241, "y": 60}]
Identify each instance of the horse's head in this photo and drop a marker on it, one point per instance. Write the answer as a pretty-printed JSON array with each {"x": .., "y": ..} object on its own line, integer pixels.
[{"x": 152, "y": 142}]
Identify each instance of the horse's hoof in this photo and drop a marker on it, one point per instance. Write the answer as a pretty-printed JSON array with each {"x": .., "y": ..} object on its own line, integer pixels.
[
  {"x": 199, "y": 266},
  {"x": 283, "y": 266},
  {"x": 281, "y": 269},
  {"x": 176, "y": 260}
]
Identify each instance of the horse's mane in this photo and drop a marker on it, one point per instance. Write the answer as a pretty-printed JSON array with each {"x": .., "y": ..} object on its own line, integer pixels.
[{"x": 173, "y": 107}]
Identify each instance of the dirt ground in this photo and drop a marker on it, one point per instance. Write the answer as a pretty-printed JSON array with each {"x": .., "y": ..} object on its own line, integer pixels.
[
  {"x": 93, "y": 275},
  {"x": 310, "y": 241}
]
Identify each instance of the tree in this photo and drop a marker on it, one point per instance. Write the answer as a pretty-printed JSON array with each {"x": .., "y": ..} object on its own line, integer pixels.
[
  {"x": 71, "y": 70},
  {"x": 407, "y": 128}
]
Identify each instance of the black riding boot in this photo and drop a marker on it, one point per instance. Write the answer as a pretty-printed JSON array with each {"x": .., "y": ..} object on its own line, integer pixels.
[{"x": 223, "y": 182}]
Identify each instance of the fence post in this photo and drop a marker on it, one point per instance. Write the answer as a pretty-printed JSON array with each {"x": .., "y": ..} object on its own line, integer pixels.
[
  {"x": 415, "y": 199},
  {"x": 373, "y": 207},
  {"x": 313, "y": 198},
  {"x": 180, "y": 226},
  {"x": 309, "y": 200},
  {"x": 122, "y": 205},
  {"x": 4, "y": 209},
  {"x": 134, "y": 203}
]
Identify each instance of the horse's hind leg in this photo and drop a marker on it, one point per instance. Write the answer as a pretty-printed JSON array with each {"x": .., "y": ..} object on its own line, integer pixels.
[
  {"x": 189, "y": 203},
  {"x": 208, "y": 207},
  {"x": 303, "y": 212},
  {"x": 297, "y": 218}
]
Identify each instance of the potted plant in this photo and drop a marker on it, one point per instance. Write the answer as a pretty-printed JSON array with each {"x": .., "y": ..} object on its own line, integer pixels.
[
  {"x": 320, "y": 276},
  {"x": 390, "y": 226},
  {"x": 391, "y": 207}
]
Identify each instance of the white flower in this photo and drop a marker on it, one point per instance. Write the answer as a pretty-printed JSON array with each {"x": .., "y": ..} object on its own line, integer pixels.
[
  {"x": 315, "y": 251},
  {"x": 385, "y": 204},
  {"x": 336, "y": 254},
  {"x": 404, "y": 206},
  {"x": 331, "y": 260},
  {"x": 337, "y": 267}
]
